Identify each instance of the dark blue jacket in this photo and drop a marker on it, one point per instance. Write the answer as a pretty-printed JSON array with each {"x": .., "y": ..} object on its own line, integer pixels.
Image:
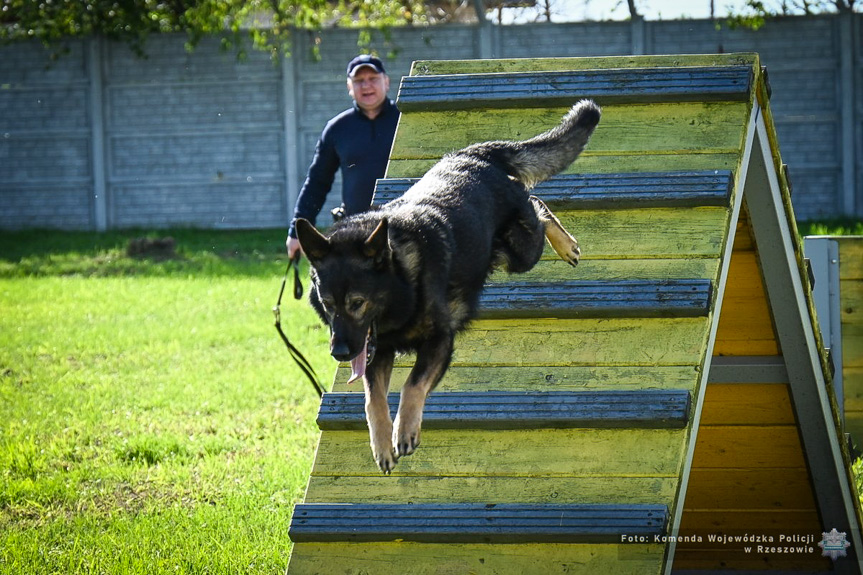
[{"x": 360, "y": 147}]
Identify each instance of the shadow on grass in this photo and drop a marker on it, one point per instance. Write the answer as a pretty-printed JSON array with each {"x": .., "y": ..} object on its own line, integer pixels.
[{"x": 44, "y": 253}]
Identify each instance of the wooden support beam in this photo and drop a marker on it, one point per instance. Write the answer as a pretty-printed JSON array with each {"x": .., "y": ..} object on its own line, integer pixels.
[
  {"x": 748, "y": 369},
  {"x": 795, "y": 328}
]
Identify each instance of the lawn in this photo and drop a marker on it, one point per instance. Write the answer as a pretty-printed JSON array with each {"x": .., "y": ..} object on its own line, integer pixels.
[{"x": 151, "y": 420}]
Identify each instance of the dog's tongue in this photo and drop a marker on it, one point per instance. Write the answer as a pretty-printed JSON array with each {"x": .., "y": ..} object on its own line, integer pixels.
[{"x": 358, "y": 364}]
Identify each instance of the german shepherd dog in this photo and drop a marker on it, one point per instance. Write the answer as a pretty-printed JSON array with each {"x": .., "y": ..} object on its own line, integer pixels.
[{"x": 408, "y": 276}]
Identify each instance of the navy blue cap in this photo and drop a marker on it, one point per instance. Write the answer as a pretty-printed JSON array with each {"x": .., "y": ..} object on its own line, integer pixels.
[{"x": 366, "y": 60}]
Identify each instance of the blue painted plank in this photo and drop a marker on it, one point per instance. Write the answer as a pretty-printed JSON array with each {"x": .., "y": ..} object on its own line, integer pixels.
[
  {"x": 596, "y": 298},
  {"x": 462, "y": 523},
  {"x": 624, "y": 190},
  {"x": 643, "y": 409},
  {"x": 543, "y": 89}
]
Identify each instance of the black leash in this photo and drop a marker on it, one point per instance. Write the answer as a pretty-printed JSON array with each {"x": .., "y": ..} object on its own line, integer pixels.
[{"x": 295, "y": 353}]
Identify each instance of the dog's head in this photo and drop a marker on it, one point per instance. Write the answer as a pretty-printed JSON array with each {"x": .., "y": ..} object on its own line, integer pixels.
[{"x": 351, "y": 274}]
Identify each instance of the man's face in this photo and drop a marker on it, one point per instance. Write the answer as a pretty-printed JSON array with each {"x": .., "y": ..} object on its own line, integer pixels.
[{"x": 369, "y": 89}]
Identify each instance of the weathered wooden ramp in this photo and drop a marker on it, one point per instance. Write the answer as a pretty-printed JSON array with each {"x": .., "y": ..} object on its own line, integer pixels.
[{"x": 645, "y": 412}]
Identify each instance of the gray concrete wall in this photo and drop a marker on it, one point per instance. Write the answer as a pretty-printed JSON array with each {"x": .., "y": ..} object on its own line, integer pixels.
[{"x": 101, "y": 139}]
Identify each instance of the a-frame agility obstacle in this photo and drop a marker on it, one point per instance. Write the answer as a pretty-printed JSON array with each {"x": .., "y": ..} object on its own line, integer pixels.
[{"x": 665, "y": 407}]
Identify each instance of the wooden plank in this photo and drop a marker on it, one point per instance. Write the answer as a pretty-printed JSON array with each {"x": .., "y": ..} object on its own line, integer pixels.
[
  {"x": 851, "y": 257},
  {"x": 585, "y": 298},
  {"x": 480, "y": 66},
  {"x": 522, "y": 453},
  {"x": 748, "y": 446},
  {"x": 787, "y": 558},
  {"x": 774, "y": 488},
  {"x": 698, "y": 127},
  {"x": 852, "y": 379},
  {"x": 479, "y": 558},
  {"x": 748, "y": 369},
  {"x": 475, "y": 522},
  {"x": 746, "y": 322},
  {"x": 648, "y": 409},
  {"x": 853, "y": 385},
  {"x": 760, "y": 522},
  {"x": 852, "y": 345},
  {"x": 851, "y": 320},
  {"x": 550, "y": 377},
  {"x": 543, "y": 88},
  {"x": 646, "y": 233},
  {"x": 747, "y": 404},
  {"x": 718, "y": 540},
  {"x": 604, "y": 191},
  {"x": 605, "y": 162},
  {"x": 591, "y": 267},
  {"x": 395, "y": 489},
  {"x": 638, "y": 234},
  {"x": 659, "y": 341}
]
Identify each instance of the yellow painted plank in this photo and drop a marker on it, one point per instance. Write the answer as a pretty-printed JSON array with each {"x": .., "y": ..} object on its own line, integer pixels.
[
  {"x": 652, "y": 233},
  {"x": 747, "y": 404},
  {"x": 526, "y": 453},
  {"x": 782, "y": 527},
  {"x": 723, "y": 489},
  {"x": 743, "y": 241},
  {"x": 748, "y": 446},
  {"x": 728, "y": 347},
  {"x": 644, "y": 341},
  {"x": 593, "y": 267},
  {"x": 549, "y": 377},
  {"x": 852, "y": 346},
  {"x": 745, "y": 321},
  {"x": 696, "y": 127},
  {"x": 852, "y": 381},
  {"x": 759, "y": 557},
  {"x": 479, "y": 559},
  {"x": 435, "y": 67},
  {"x": 394, "y": 489},
  {"x": 851, "y": 318},
  {"x": 853, "y": 391},
  {"x": 850, "y": 257},
  {"x": 761, "y": 521},
  {"x": 691, "y": 160}
]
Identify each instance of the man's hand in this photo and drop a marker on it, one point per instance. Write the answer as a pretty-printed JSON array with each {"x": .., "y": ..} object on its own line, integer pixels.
[{"x": 293, "y": 245}]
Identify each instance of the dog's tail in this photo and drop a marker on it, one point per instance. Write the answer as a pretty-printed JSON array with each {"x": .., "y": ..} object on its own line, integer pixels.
[{"x": 541, "y": 157}]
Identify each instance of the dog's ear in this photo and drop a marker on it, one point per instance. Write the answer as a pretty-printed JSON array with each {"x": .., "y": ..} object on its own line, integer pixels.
[
  {"x": 315, "y": 245},
  {"x": 377, "y": 246}
]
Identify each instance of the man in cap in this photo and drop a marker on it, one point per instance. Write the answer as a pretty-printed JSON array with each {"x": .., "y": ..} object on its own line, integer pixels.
[{"x": 357, "y": 142}]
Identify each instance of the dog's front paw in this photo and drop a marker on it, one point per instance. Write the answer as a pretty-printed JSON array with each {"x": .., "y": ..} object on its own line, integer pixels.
[
  {"x": 385, "y": 455},
  {"x": 386, "y": 460},
  {"x": 406, "y": 436}
]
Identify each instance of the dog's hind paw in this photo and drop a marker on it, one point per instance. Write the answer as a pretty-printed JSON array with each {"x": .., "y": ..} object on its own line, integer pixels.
[
  {"x": 565, "y": 245},
  {"x": 560, "y": 240}
]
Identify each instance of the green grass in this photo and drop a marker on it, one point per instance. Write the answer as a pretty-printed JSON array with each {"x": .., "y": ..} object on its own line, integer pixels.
[
  {"x": 831, "y": 228},
  {"x": 151, "y": 420}
]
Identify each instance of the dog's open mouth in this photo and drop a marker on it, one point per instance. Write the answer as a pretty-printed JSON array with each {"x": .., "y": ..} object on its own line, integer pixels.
[{"x": 365, "y": 357}]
